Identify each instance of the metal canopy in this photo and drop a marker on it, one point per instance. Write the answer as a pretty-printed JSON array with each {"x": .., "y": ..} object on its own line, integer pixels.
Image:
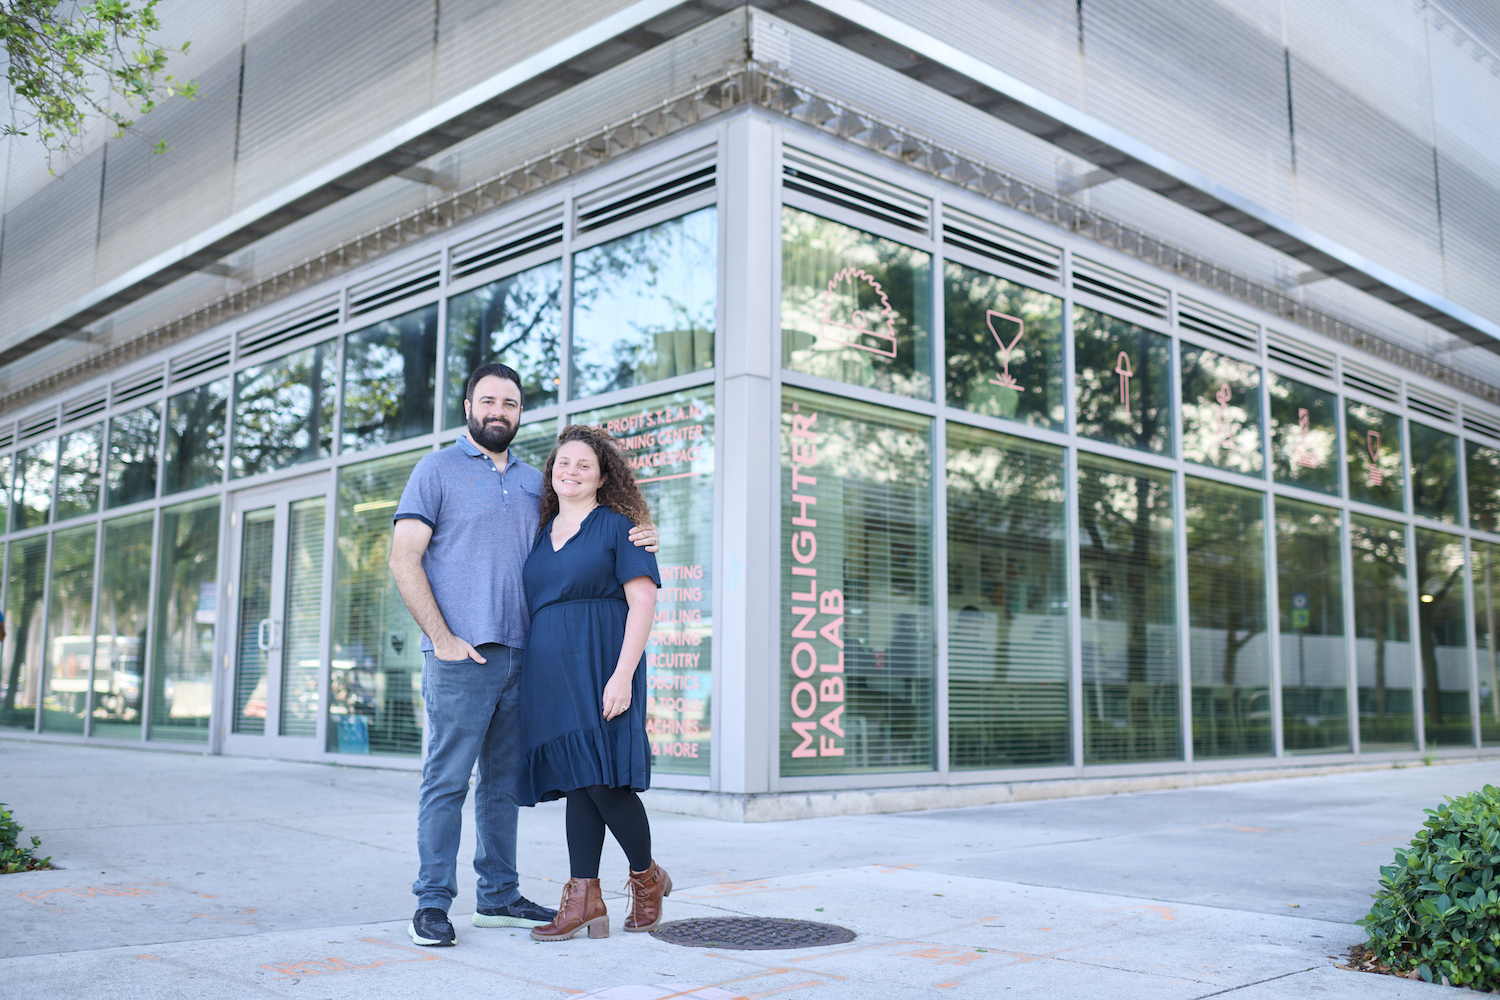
[
  {"x": 888, "y": 41},
  {"x": 849, "y": 23}
]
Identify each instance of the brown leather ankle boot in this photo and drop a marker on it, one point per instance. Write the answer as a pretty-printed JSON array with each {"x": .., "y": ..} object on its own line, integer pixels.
[
  {"x": 582, "y": 906},
  {"x": 646, "y": 891}
]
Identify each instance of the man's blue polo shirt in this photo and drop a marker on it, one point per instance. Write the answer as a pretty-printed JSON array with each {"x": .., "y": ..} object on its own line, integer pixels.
[{"x": 483, "y": 526}]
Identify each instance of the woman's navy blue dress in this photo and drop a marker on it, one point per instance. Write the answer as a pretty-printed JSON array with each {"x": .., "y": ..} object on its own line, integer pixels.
[{"x": 576, "y": 597}]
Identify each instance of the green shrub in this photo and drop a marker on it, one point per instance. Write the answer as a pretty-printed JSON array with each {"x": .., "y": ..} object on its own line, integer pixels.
[
  {"x": 1438, "y": 908},
  {"x": 14, "y": 857}
]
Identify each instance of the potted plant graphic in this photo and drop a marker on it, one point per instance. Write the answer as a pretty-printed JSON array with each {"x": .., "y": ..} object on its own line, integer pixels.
[{"x": 844, "y": 322}]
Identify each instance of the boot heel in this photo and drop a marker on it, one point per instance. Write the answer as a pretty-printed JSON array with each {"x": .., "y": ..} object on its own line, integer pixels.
[
  {"x": 668, "y": 890},
  {"x": 599, "y": 927}
]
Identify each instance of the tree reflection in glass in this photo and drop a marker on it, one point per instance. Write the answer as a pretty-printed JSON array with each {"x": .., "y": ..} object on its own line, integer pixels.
[
  {"x": 195, "y": 437},
  {"x": 70, "y": 630},
  {"x": 1382, "y": 635},
  {"x": 1482, "y": 463},
  {"x": 186, "y": 612},
  {"x": 1434, "y": 474},
  {"x": 78, "y": 462},
  {"x": 26, "y": 584},
  {"x": 1007, "y": 601},
  {"x": 390, "y": 379},
  {"x": 855, "y": 307},
  {"x": 31, "y": 498},
  {"x": 283, "y": 410},
  {"x": 1004, "y": 344},
  {"x": 1486, "y": 620},
  {"x": 1304, "y": 434},
  {"x": 1128, "y": 596},
  {"x": 134, "y": 446},
  {"x": 1230, "y": 654},
  {"x": 1443, "y": 634},
  {"x": 516, "y": 321},
  {"x": 1220, "y": 411},
  {"x": 1123, "y": 375},
  {"x": 1373, "y": 448},
  {"x": 1314, "y": 653},
  {"x": 644, "y": 305},
  {"x": 120, "y": 658}
]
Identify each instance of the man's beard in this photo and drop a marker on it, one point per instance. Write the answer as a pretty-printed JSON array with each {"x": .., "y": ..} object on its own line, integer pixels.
[{"x": 494, "y": 436}]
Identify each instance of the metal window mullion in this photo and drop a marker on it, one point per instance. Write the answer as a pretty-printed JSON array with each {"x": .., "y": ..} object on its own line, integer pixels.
[
  {"x": 325, "y": 632},
  {"x": 938, "y": 466},
  {"x": 1414, "y": 630},
  {"x": 88, "y": 700},
  {"x": 46, "y": 645},
  {"x": 148, "y": 655},
  {"x": 565, "y": 319},
  {"x": 440, "y": 363},
  {"x": 1179, "y": 538},
  {"x": 1072, "y": 514},
  {"x": 1470, "y": 639},
  {"x": 773, "y": 692}
]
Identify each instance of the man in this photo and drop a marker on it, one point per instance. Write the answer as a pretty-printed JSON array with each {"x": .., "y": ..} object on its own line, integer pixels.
[{"x": 463, "y": 530}]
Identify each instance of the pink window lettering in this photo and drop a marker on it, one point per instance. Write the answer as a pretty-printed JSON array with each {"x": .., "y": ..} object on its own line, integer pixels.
[
  {"x": 859, "y": 330},
  {"x": 1122, "y": 369},
  {"x": 1305, "y": 456},
  {"x": 1007, "y": 351},
  {"x": 1372, "y": 444}
]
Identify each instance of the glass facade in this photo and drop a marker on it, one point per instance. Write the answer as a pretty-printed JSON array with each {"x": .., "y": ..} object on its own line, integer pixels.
[
  {"x": 1101, "y": 543},
  {"x": 857, "y": 674},
  {"x": 669, "y": 441}
]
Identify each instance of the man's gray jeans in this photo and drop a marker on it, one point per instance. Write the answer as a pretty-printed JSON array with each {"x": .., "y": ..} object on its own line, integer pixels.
[{"x": 471, "y": 715}]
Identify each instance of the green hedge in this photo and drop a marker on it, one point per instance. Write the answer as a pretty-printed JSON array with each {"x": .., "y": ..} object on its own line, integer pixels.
[
  {"x": 14, "y": 857},
  {"x": 1438, "y": 908}
]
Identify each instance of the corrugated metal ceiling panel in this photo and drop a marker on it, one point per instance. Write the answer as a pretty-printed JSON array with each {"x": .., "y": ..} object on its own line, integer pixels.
[
  {"x": 313, "y": 92},
  {"x": 48, "y": 251}
]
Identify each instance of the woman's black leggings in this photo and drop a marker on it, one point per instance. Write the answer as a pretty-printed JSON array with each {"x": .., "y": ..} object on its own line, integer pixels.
[{"x": 593, "y": 808}]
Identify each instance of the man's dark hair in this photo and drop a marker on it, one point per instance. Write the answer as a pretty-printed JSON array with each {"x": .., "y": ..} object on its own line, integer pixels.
[{"x": 498, "y": 370}]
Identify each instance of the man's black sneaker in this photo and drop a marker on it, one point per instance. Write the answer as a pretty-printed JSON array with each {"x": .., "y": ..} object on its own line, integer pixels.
[
  {"x": 431, "y": 926},
  {"x": 522, "y": 913}
]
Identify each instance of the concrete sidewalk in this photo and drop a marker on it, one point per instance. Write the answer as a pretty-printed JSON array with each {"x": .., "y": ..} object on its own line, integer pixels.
[{"x": 221, "y": 877}]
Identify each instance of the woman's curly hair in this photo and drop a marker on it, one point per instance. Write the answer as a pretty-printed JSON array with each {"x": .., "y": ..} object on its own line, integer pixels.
[{"x": 618, "y": 491}]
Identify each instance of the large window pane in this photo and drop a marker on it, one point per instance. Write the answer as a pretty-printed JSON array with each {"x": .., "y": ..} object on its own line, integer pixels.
[
  {"x": 1229, "y": 651},
  {"x": 120, "y": 658},
  {"x": 1382, "y": 635},
  {"x": 1007, "y": 601},
  {"x": 1124, "y": 382},
  {"x": 1434, "y": 474},
  {"x": 1486, "y": 620},
  {"x": 856, "y": 588},
  {"x": 1004, "y": 344},
  {"x": 1304, "y": 434},
  {"x": 252, "y": 665},
  {"x": 1128, "y": 595},
  {"x": 1443, "y": 632},
  {"x": 283, "y": 410},
  {"x": 389, "y": 380},
  {"x": 1373, "y": 443},
  {"x": 31, "y": 497},
  {"x": 134, "y": 443},
  {"x": 195, "y": 437},
  {"x": 533, "y": 442},
  {"x": 302, "y": 667},
  {"x": 187, "y": 604},
  {"x": 644, "y": 305},
  {"x": 1482, "y": 465},
  {"x": 669, "y": 441},
  {"x": 70, "y": 630},
  {"x": 78, "y": 469},
  {"x": 5, "y": 466},
  {"x": 516, "y": 321},
  {"x": 375, "y": 685},
  {"x": 1221, "y": 411},
  {"x": 854, "y": 307},
  {"x": 1314, "y": 657},
  {"x": 26, "y": 585}
]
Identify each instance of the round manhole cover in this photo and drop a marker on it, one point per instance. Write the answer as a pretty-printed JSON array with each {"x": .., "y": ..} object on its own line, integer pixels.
[{"x": 751, "y": 933}]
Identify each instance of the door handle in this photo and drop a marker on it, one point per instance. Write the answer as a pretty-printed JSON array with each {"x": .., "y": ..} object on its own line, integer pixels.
[{"x": 265, "y": 635}]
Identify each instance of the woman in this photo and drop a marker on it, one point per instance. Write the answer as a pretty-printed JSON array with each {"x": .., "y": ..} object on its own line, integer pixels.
[{"x": 592, "y": 595}]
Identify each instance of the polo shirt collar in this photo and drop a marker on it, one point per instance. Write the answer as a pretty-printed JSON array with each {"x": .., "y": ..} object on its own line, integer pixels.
[{"x": 472, "y": 450}]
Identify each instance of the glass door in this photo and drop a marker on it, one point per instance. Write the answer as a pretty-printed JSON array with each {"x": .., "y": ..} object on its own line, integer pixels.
[{"x": 276, "y": 651}]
